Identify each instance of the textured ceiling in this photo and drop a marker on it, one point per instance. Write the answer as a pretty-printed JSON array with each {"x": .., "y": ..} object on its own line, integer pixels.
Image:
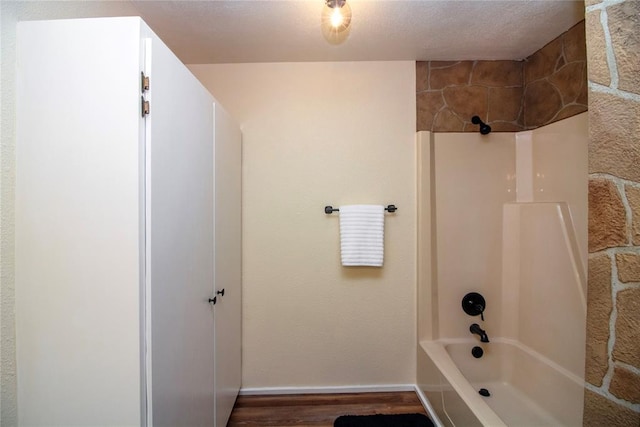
[{"x": 218, "y": 31}]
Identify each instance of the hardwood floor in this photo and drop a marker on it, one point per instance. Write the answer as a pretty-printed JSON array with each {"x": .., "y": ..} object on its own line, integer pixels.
[{"x": 318, "y": 409}]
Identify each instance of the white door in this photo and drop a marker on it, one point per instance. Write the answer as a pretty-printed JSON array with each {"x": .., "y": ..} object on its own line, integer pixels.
[
  {"x": 228, "y": 254},
  {"x": 78, "y": 222},
  {"x": 180, "y": 244}
]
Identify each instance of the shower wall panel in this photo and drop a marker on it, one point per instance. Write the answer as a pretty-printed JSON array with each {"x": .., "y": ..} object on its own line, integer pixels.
[
  {"x": 474, "y": 177},
  {"x": 560, "y": 162}
]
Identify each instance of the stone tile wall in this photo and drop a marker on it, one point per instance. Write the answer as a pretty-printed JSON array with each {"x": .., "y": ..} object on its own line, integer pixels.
[
  {"x": 547, "y": 86},
  {"x": 450, "y": 93},
  {"x": 612, "y": 395},
  {"x": 555, "y": 80}
]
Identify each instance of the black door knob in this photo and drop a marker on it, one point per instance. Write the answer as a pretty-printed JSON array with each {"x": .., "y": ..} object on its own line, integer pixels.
[
  {"x": 221, "y": 293},
  {"x": 213, "y": 300}
]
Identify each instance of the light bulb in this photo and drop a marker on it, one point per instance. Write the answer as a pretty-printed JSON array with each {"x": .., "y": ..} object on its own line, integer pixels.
[{"x": 336, "y": 16}]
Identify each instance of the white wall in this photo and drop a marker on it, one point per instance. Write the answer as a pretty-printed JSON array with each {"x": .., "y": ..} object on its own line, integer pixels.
[
  {"x": 12, "y": 12},
  {"x": 316, "y": 134}
]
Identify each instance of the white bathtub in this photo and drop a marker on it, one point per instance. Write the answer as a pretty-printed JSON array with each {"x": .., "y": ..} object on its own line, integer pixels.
[{"x": 526, "y": 388}]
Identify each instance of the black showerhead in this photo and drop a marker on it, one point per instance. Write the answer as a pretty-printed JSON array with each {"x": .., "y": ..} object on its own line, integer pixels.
[{"x": 484, "y": 128}]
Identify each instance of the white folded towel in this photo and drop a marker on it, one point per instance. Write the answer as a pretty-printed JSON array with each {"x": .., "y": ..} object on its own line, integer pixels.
[{"x": 362, "y": 235}]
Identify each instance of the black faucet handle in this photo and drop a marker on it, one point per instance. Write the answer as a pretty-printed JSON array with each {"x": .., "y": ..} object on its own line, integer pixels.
[{"x": 474, "y": 304}]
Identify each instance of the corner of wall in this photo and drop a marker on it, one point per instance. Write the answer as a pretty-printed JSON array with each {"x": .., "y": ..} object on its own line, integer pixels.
[
  {"x": 427, "y": 307},
  {"x": 612, "y": 395},
  {"x": 555, "y": 80}
]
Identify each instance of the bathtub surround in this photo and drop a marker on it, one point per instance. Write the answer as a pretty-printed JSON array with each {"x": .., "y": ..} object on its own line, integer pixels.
[
  {"x": 489, "y": 172},
  {"x": 547, "y": 86},
  {"x": 478, "y": 171},
  {"x": 613, "y": 332},
  {"x": 525, "y": 251}
]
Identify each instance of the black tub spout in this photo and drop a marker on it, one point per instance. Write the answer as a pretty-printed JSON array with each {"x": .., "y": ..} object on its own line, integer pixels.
[{"x": 476, "y": 329}]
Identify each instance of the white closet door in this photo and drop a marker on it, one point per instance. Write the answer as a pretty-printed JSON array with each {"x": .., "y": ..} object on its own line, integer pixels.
[
  {"x": 228, "y": 255},
  {"x": 78, "y": 222},
  {"x": 180, "y": 240}
]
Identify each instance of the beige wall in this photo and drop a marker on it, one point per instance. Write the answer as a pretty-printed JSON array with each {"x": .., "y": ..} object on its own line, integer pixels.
[
  {"x": 13, "y": 12},
  {"x": 317, "y": 134},
  {"x": 612, "y": 396}
]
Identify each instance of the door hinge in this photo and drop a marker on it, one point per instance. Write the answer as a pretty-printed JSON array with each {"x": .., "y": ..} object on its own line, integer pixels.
[
  {"x": 145, "y": 106},
  {"x": 144, "y": 86},
  {"x": 144, "y": 82}
]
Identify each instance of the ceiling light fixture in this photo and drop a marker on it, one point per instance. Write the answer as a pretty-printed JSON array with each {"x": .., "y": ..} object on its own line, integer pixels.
[{"x": 336, "y": 20}]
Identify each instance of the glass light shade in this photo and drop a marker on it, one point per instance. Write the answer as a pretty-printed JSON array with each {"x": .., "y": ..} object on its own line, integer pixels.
[{"x": 336, "y": 19}]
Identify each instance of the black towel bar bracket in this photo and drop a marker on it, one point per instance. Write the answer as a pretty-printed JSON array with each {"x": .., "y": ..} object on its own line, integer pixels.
[{"x": 330, "y": 209}]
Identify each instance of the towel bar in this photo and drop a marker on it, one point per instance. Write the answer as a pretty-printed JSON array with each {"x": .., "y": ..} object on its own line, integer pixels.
[{"x": 330, "y": 209}]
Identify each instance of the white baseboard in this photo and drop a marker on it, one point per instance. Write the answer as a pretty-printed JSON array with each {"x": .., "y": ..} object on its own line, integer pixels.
[
  {"x": 427, "y": 406},
  {"x": 323, "y": 390}
]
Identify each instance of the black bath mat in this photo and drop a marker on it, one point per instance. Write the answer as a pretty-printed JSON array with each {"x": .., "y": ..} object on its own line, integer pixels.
[{"x": 396, "y": 420}]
